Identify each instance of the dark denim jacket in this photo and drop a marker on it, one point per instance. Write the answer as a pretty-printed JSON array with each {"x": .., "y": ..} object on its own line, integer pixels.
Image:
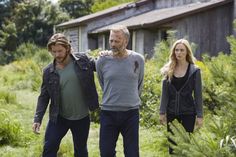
[{"x": 50, "y": 88}]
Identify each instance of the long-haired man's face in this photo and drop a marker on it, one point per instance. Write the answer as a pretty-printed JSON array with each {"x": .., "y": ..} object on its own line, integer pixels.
[
  {"x": 180, "y": 52},
  {"x": 117, "y": 41},
  {"x": 59, "y": 52}
]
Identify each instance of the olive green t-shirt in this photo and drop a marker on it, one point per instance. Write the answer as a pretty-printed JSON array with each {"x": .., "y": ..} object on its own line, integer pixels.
[{"x": 72, "y": 105}]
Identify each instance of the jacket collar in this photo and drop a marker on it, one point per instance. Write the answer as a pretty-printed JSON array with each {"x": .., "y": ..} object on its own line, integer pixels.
[
  {"x": 193, "y": 69},
  {"x": 75, "y": 57}
]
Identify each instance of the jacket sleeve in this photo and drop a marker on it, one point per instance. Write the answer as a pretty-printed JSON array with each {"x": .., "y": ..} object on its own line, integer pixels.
[
  {"x": 164, "y": 97},
  {"x": 198, "y": 94},
  {"x": 92, "y": 62},
  {"x": 42, "y": 103}
]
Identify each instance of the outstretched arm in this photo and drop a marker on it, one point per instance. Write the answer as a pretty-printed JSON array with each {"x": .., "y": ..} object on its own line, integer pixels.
[{"x": 42, "y": 104}]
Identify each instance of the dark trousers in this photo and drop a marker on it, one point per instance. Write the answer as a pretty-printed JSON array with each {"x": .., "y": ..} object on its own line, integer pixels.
[
  {"x": 56, "y": 131},
  {"x": 115, "y": 122},
  {"x": 188, "y": 122}
]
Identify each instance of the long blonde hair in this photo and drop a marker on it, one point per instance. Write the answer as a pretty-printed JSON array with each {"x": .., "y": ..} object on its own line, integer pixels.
[{"x": 168, "y": 69}]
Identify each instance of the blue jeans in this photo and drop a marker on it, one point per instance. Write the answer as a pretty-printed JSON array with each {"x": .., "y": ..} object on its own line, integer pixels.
[
  {"x": 115, "y": 122},
  {"x": 56, "y": 131}
]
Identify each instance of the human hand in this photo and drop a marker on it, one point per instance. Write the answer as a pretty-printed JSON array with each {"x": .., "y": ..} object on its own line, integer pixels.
[
  {"x": 162, "y": 118},
  {"x": 36, "y": 128},
  {"x": 105, "y": 53},
  {"x": 199, "y": 122}
]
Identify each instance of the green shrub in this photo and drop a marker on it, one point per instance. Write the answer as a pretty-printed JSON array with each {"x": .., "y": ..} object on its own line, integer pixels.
[
  {"x": 229, "y": 143},
  {"x": 219, "y": 82},
  {"x": 219, "y": 78},
  {"x": 42, "y": 57},
  {"x": 203, "y": 143},
  {"x": 150, "y": 94},
  {"x": 7, "y": 97},
  {"x": 23, "y": 74},
  {"x": 25, "y": 50},
  {"x": 10, "y": 129}
]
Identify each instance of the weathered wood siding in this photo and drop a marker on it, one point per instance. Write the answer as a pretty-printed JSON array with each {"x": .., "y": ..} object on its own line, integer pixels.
[
  {"x": 73, "y": 36},
  {"x": 109, "y": 19},
  {"x": 207, "y": 29}
]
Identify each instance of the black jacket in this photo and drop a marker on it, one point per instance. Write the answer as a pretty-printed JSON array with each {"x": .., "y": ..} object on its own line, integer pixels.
[
  {"x": 50, "y": 88},
  {"x": 188, "y": 100}
]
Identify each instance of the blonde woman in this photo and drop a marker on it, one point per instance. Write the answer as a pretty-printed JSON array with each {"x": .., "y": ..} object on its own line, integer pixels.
[{"x": 181, "y": 97}]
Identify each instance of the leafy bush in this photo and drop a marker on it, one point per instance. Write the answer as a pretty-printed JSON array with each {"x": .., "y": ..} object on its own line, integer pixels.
[
  {"x": 229, "y": 142},
  {"x": 150, "y": 94},
  {"x": 42, "y": 57},
  {"x": 219, "y": 82},
  {"x": 7, "y": 97},
  {"x": 203, "y": 143},
  {"x": 22, "y": 74},
  {"x": 25, "y": 50},
  {"x": 10, "y": 129}
]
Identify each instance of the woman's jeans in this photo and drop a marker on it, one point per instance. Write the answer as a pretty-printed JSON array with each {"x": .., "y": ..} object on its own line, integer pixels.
[{"x": 187, "y": 121}]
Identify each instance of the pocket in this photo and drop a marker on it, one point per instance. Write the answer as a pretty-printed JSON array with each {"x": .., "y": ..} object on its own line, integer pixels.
[
  {"x": 53, "y": 84},
  {"x": 83, "y": 65}
]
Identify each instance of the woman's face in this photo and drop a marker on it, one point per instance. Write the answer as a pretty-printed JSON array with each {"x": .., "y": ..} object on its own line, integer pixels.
[{"x": 180, "y": 52}]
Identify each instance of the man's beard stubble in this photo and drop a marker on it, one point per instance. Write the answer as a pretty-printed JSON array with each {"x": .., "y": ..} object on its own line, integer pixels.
[{"x": 117, "y": 51}]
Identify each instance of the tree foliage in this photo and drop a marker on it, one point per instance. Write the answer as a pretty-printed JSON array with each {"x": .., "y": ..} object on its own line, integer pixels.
[
  {"x": 35, "y": 20},
  {"x": 9, "y": 36},
  {"x": 28, "y": 21},
  {"x": 104, "y": 4},
  {"x": 6, "y": 8},
  {"x": 8, "y": 42},
  {"x": 76, "y": 8}
]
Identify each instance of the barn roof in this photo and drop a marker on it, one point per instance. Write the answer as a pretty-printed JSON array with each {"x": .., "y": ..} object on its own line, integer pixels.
[
  {"x": 112, "y": 10},
  {"x": 161, "y": 16}
]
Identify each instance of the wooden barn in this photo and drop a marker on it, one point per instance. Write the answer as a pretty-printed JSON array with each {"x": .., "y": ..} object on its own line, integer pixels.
[{"x": 204, "y": 22}]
